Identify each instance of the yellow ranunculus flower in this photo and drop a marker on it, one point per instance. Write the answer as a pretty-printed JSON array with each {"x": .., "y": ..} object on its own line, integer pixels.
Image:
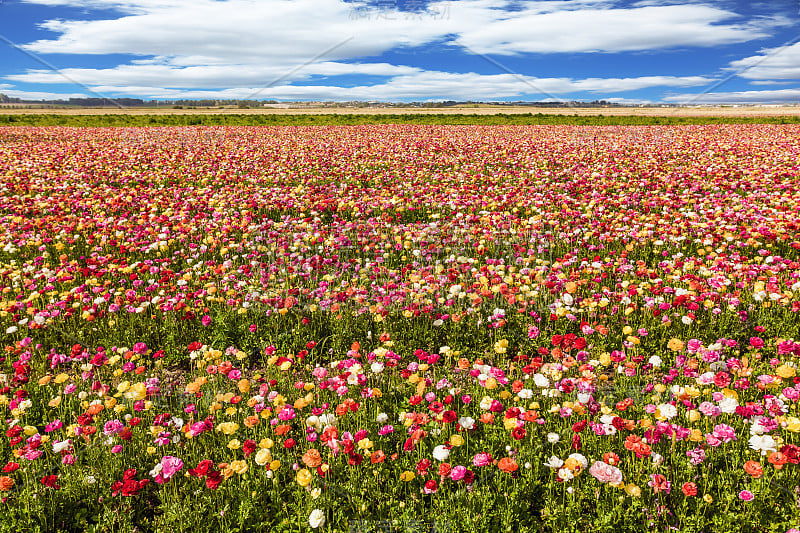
[
  {"x": 266, "y": 443},
  {"x": 234, "y": 444},
  {"x": 456, "y": 440},
  {"x": 303, "y": 477},
  {"x": 136, "y": 392},
  {"x": 785, "y": 371},
  {"x": 55, "y": 402},
  {"x": 263, "y": 457},
  {"x": 274, "y": 465},
  {"x": 407, "y": 476},
  {"x": 365, "y": 444},
  {"x": 240, "y": 467},
  {"x": 228, "y": 428},
  {"x": 793, "y": 424},
  {"x": 61, "y": 378},
  {"x": 633, "y": 490},
  {"x": 509, "y": 423}
]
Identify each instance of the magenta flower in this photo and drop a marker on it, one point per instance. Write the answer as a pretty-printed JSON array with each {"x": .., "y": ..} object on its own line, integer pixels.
[
  {"x": 482, "y": 459},
  {"x": 170, "y": 466}
]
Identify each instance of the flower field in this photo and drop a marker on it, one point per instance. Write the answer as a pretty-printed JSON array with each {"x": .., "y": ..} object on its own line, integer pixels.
[{"x": 400, "y": 328}]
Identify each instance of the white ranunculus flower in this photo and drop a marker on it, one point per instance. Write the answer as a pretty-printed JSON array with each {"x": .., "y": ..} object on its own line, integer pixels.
[
  {"x": 486, "y": 403},
  {"x": 553, "y": 438},
  {"x": 376, "y": 368},
  {"x": 728, "y": 405},
  {"x": 540, "y": 381},
  {"x": 58, "y": 447},
  {"x": 316, "y": 519},
  {"x": 382, "y": 418},
  {"x": 466, "y": 422},
  {"x": 668, "y": 411},
  {"x": 554, "y": 462},
  {"x": 763, "y": 444},
  {"x": 580, "y": 458},
  {"x": 441, "y": 453}
]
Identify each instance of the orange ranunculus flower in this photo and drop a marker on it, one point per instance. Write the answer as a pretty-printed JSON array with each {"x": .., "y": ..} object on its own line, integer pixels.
[
  {"x": 282, "y": 429},
  {"x": 754, "y": 468},
  {"x": 6, "y": 483},
  {"x": 777, "y": 459},
  {"x": 330, "y": 433},
  {"x": 463, "y": 364},
  {"x": 251, "y": 421},
  {"x": 225, "y": 367},
  {"x": 675, "y": 344},
  {"x": 312, "y": 458},
  {"x": 507, "y": 465},
  {"x": 377, "y": 457},
  {"x": 487, "y": 418},
  {"x": 341, "y": 409},
  {"x": 94, "y": 409}
]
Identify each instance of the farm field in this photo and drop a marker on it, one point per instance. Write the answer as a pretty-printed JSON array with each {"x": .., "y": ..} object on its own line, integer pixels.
[{"x": 400, "y": 328}]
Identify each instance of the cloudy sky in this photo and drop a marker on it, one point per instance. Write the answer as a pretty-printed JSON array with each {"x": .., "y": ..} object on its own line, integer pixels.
[{"x": 714, "y": 51}]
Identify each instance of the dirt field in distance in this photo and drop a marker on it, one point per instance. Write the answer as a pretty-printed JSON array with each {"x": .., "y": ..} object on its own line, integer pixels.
[{"x": 724, "y": 111}]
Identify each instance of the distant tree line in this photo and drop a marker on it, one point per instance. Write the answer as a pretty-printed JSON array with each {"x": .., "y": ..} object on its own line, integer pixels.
[{"x": 181, "y": 103}]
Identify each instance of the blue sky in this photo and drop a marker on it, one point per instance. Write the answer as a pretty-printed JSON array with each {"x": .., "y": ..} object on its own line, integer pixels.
[{"x": 681, "y": 51}]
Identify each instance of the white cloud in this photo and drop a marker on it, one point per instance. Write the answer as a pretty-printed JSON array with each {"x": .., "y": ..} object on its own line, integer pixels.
[
  {"x": 423, "y": 85},
  {"x": 607, "y": 29},
  {"x": 205, "y": 76},
  {"x": 9, "y": 91},
  {"x": 208, "y": 48},
  {"x": 739, "y": 97},
  {"x": 286, "y": 31},
  {"x": 781, "y": 63}
]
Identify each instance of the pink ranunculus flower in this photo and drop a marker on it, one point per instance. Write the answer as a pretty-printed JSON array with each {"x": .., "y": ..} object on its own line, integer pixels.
[
  {"x": 605, "y": 473},
  {"x": 724, "y": 432},
  {"x": 458, "y": 473},
  {"x": 170, "y": 466},
  {"x": 482, "y": 459}
]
